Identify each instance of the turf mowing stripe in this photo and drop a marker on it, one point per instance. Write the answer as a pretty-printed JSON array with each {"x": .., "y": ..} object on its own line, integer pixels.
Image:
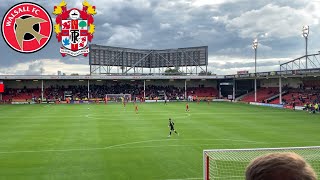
[
  {"x": 120, "y": 145},
  {"x": 48, "y": 116}
]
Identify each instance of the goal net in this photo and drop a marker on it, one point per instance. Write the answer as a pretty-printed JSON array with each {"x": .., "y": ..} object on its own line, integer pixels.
[
  {"x": 231, "y": 163},
  {"x": 118, "y": 97}
]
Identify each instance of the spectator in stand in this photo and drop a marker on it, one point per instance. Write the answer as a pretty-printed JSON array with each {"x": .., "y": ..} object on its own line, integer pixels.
[
  {"x": 312, "y": 109},
  {"x": 306, "y": 107},
  {"x": 80, "y": 92},
  {"x": 280, "y": 166},
  {"x": 316, "y": 107}
]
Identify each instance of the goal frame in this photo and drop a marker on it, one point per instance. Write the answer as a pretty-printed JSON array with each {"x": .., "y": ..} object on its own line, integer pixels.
[
  {"x": 119, "y": 95},
  {"x": 206, "y": 158}
]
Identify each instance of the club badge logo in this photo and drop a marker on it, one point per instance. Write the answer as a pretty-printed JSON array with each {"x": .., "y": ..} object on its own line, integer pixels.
[
  {"x": 74, "y": 28},
  {"x": 27, "y": 27}
]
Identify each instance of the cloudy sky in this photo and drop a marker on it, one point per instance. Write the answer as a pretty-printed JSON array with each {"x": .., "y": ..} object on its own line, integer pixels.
[{"x": 228, "y": 27}]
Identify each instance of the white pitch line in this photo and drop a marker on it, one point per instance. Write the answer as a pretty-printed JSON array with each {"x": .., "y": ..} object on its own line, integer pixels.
[
  {"x": 173, "y": 117},
  {"x": 186, "y": 145},
  {"x": 116, "y": 146}
]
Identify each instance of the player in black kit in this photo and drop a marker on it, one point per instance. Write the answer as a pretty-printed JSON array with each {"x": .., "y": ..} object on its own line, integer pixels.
[{"x": 171, "y": 126}]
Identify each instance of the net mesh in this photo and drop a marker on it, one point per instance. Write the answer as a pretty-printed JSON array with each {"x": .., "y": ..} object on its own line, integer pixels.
[
  {"x": 118, "y": 97},
  {"x": 231, "y": 164}
]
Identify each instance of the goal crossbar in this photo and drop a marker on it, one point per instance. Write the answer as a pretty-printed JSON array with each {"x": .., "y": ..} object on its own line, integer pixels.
[
  {"x": 258, "y": 149},
  {"x": 231, "y": 163},
  {"x": 118, "y": 97}
]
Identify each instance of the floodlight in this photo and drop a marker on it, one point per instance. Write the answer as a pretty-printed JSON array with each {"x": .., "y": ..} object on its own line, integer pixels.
[{"x": 305, "y": 31}]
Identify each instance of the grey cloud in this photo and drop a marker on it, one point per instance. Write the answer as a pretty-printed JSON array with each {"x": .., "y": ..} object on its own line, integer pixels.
[
  {"x": 243, "y": 64},
  {"x": 35, "y": 69},
  {"x": 272, "y": 19}
]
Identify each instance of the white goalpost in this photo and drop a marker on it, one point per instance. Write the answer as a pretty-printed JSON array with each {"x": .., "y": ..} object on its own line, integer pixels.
[
  {"x": 231, "y": 164},
  {"x": 118, "y": 97}
]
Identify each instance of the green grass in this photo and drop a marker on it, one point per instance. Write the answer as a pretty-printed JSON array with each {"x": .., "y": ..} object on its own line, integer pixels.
[{"x": 110, "y": 142}]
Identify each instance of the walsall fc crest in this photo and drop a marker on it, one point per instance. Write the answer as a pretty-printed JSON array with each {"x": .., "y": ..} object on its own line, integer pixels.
[
  {"x": 27, "y": 27},
  {"x": 74, "y": 28}
]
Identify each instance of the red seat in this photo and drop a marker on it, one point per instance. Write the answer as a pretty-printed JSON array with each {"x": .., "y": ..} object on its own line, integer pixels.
[{"x": 262, "y": 94}]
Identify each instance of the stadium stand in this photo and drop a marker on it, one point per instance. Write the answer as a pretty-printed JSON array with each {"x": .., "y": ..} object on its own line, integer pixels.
[
  {"x": 160, "y": 92},
  {"x": 296, "y": 90},
  {"x": 262, "y": 94},
  {"x": 300, "y": 97},
  {"x": 20, "y": 94},
  {"x": 203, "y": 92},
  {"x": 55, "y": 92},
  {"x": 306, "y": 92},
  {"x": 311, "y": 84}
]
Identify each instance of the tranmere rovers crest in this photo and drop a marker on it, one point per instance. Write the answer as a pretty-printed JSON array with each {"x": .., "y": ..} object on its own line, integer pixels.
[{"x": 74, "y": 28}]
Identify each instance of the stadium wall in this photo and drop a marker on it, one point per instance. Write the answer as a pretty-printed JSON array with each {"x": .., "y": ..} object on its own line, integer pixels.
[
  {"x": 176, "y": 83},
  {"x": 267, "y": 105},
  {"x": 206, "y": 83},
  {"x": 48, "y": 83},
  {"x": 181, "y": 83},
  {"x": 31, "y": 84},
  {"x": 291, "y": 82}
]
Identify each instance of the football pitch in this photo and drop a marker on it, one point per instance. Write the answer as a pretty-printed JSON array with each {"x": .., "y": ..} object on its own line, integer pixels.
[{"x": 112, "y": 142}]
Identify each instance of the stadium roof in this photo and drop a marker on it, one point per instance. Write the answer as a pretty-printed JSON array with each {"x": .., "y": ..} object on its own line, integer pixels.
[{"x": 261, "y": 75}]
